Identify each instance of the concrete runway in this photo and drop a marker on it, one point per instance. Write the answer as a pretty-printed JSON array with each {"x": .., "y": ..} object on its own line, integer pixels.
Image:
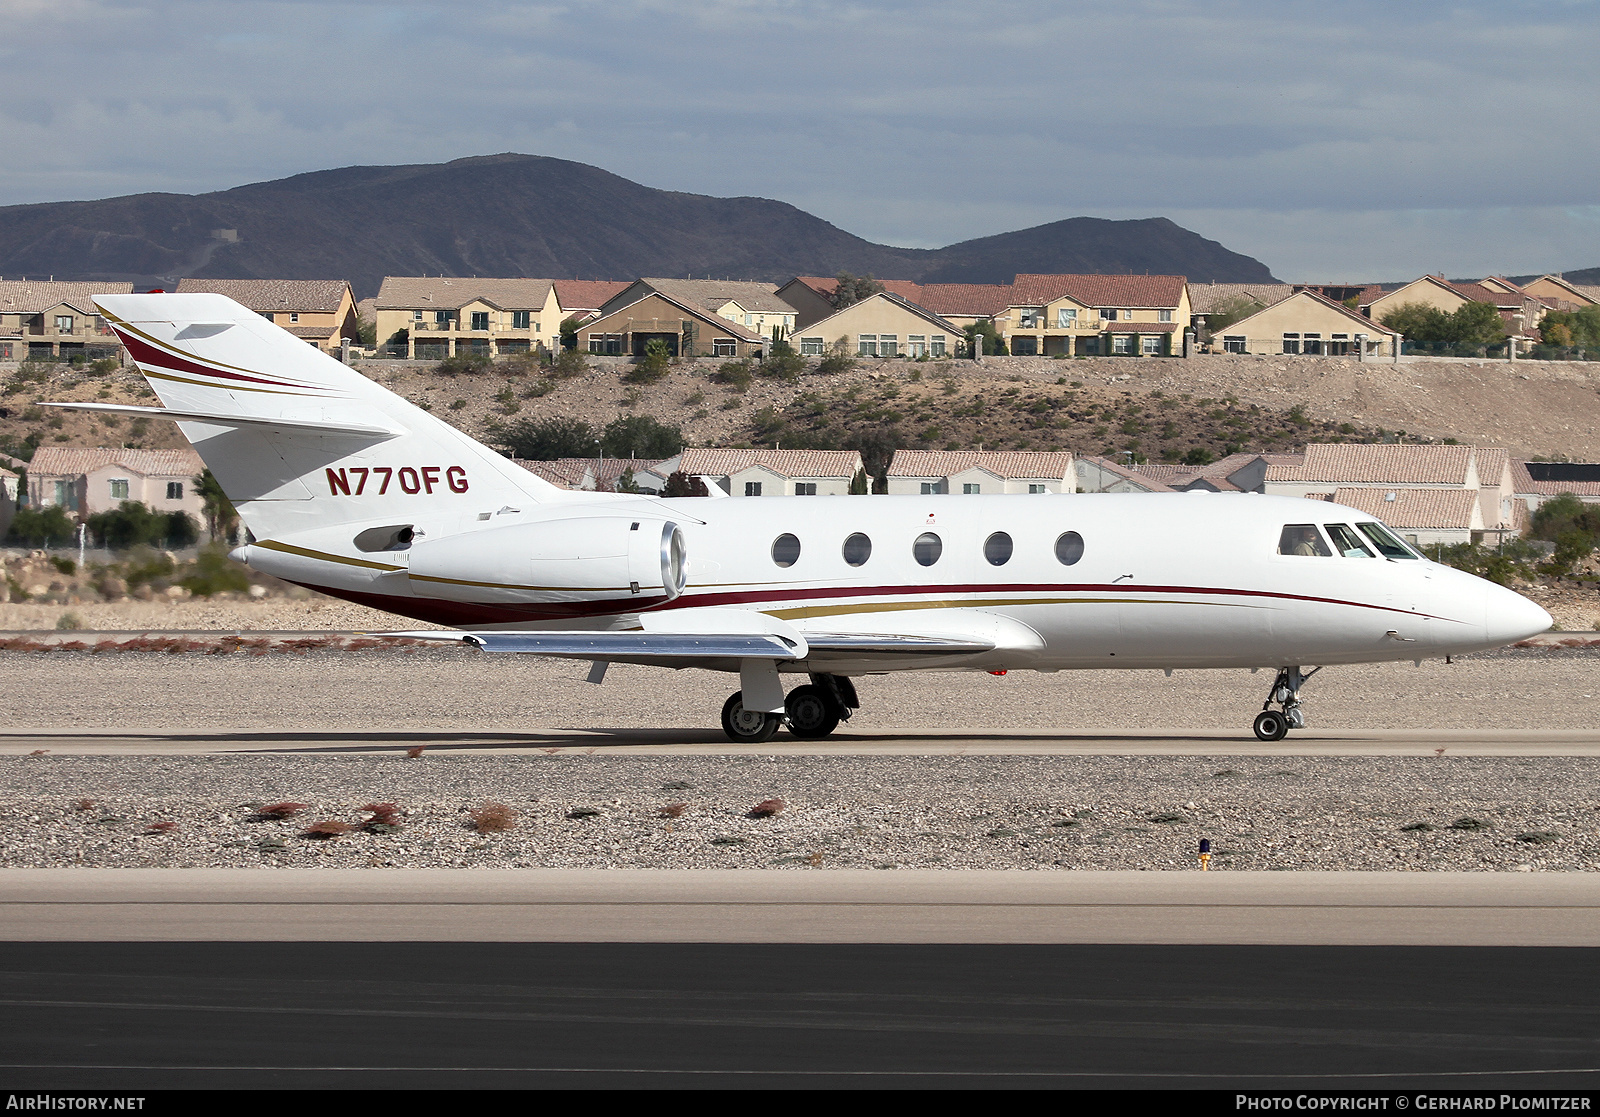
[
  {"x": 846, "y": 742},
  {"x": 826, "y": 906}
]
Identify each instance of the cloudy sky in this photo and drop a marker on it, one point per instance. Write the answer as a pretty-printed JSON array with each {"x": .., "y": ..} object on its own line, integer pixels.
[{"x": 1354, "y": 139}]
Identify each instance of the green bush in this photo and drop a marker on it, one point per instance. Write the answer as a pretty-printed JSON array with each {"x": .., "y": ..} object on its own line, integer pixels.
[
  {"x": 213, "y": 572},
  {"x": 132, "y": 524},
  {"x": 640, "y": 436},
  {"x": 835, "y": 363},
  {"x": 463, "y": 363},
  {"x": 42, "y": 527},
  {"x": 652, "y": 366},
  {"x": 736, "y": 374},
  {"x": 783, "y": 363},
  {"x": 548, "y": 439},
  {"x": 567, "y": 364}
]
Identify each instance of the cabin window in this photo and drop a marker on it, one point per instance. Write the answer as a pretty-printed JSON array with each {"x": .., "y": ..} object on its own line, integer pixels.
[
  {"x": 1388, "y": 546},
  {"x": 1304, "y": 540},
  {"x": 997, "y": 549},
  {"x": 785, "y": 550},
  {"x": 927, "y": 549},
  {"x": 857, "y": 549},
  {"x": 1069, "y": 548},
  {"x": 1347, "y": 542}
]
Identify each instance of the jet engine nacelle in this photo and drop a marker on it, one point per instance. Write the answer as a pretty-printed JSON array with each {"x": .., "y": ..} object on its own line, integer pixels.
[{"x": 599, "y": 558}]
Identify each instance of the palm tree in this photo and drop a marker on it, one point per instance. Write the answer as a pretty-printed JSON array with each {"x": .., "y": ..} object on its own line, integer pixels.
[{"x": 221, "y": 518}]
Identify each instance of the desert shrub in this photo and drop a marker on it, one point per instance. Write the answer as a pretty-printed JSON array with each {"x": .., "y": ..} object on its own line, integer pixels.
[
  {"x": 463, "y": 363},
  {"x": 282, "y": 810},
  {"x": 493, "y": 818},
  {"x": 640, "y": 436},
  {"x": 767, "y": 808},
  {"x": 736, "y": 374},
  {"x": 783, "y": 363},
  {"x": 548, "y": 439},
  {"x": 41, "y": 527},
  {"x": 213, "y": 572},
  {"x": 567, "y": 364},
  {"x": 654, "y": 365},
  {"x": 835, "y": 363},
  {"x": 327, "y": 828},
  {"x": 680, "y": 483}
]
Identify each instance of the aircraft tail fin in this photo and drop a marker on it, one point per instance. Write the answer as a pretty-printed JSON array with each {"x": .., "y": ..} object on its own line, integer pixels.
[{"x": 297, "y": 439}]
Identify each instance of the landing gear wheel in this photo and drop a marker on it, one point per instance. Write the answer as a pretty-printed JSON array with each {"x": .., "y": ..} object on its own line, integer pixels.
[
  {"x": 747, "y": 727},
  {"x": 811, "y": 712},
  {"x": 1271, "y": 725}
]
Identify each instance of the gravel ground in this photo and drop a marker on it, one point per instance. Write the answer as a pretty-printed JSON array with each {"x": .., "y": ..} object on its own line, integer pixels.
[
  {"x": 844, "y": 811},
  {"x": 1462, "y": 814},
  {"x": 458, "y": 688}
]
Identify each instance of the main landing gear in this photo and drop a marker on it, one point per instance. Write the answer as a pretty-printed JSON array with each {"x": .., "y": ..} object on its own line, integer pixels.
[
  {"x": 1272, "y": 725},
  {"x": 811, "y": 711}
]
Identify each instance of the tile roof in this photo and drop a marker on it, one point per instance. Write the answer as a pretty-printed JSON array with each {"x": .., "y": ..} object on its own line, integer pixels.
[
  {"x": 709, "y": 317},
  {"x": 1144, "y": 291},
  {"x": 73, "y": 461},
  {"x": 1522, "y": 482},
  {"x": 1384, "y": 465},
  {"x": 1144, "y": 480},
  {"x": 1206, "y": 297},
  {"x": 559, "y": 474},
  {"x": 1002, "y": 463},
  {"x": 709, "y": 462},
  {"x": 30, "y": 296},
  {"x": 965, "y": 299},
  {"x": 320, "y": 295},
  {"x": 1491, "y": 462},
  {"x": 1140, "y": 327},
  {"x": 714, "y": 293},
  {"x": 1414, "y": 508},
  {"x": 588, "y": 294},
  {"x": 825, "y": 286},
  {"x": 313, "y": 333},
  {"x": 1182, "y": 476},
  {"x": 405, "y": 292},
  {"x": 1367, "y": 325},
  {"x": 913, "y": 308}
]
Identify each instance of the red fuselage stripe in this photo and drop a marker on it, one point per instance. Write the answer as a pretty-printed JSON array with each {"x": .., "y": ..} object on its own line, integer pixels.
[{"x": 147, "y": 354}]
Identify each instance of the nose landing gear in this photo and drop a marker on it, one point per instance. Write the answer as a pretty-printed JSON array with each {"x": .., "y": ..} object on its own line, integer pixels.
[{"x": 1272, "y": 725}]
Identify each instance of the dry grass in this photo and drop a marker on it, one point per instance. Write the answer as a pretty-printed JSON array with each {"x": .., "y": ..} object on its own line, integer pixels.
[
  {"x": 278, "y": 811},
  {"x": 85, "y": 804},
  {"x": 327, "y": 828},
  {"x": 673, "y": 810},
  {"x": 767, "y": 808},
  {"x": 493, "y": 818},
  {"x": 38, "y": 752},
  {"x": 161, "y": 828},
  {"x": 385, "y": 818},
  {"x": 415, "y": 752}
]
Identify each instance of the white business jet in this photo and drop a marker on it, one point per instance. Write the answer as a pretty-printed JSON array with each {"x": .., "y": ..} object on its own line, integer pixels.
[{"x": 350, "y": 490}]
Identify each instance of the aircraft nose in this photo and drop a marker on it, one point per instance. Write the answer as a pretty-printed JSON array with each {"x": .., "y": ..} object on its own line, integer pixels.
[{"x": 1511, "y": 617}]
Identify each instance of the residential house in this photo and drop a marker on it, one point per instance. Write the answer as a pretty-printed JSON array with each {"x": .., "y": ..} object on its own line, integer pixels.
[
  {"x": 56, "y": 321},
  {"x": 754, "y": 306},
  {"x": 769, "y": 472},
  {"x": 1236, "y": 473},
  {"x": 926, "y": 472},
  {"x": 1537, "y": 482},
  {"x": 1079, "y": 315},
  {"x": 1485, "y": 471},
  {"x": 1420, "y": 516},
  {"x": 1207, "y": 300},
  {"x": 1102, "y": 475},
  {"x": 439, "y": 317},
  {"x": 321, "y": 312},
  {"x": 812, "y": 296},
  {"x": 597, "y": 474},
  {"x": 581, "y": 299},
  {"x": 881, "y": 325},
  {"x": 1520, "y": 310},
  {"x": 84, "y": 481},
  {"x": 686, "y": 329},
  {"x": 1307, "y": 324},
  {"x": 1557, "y": 292}
]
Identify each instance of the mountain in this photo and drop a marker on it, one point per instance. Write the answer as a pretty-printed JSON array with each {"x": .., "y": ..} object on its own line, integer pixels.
[{"x": 537, "y": 216}]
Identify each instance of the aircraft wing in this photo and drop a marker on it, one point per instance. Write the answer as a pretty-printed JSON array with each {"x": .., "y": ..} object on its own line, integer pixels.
[{"x": 702, "y": 649}]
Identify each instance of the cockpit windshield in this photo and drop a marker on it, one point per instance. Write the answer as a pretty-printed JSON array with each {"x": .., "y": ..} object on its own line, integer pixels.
[
  {"x": 1388, "y": 546},
  {"x": 1347, "y": 542},
  {"x": 1302, "y": 539}
]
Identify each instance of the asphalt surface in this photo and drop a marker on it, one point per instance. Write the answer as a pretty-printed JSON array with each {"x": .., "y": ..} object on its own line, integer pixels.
[{"x": 134, "y": 1016}]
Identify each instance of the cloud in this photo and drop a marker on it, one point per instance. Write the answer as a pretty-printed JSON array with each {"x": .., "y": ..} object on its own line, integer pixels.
[{"x": 911, "y": 123}]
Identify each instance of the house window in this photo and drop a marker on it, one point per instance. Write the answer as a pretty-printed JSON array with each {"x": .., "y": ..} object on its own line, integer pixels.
[
  {"x": 294, "y": 316},
  {"x": 1037, "y": 489},
  {"x": 887, "y": 344},
  {"x": 1163, "y": 316},
  {"x": 1066, "y": 318},
  {"x": 1122, "y": 343},
  {"x": 930, "y": 488},
  {"x": 1127, "y": 316},
  {"x": 811, "y": 347},
  {"x": 441, "y": 318},
  {"x": 174, "y": 490},
  {"x": 1107, "y": 314},
  {"x": 1151, "y": 344},
  {"x": 480, "y": 319},
  {"x": 1311, "y": 345},
  {"x": 1233, "y": 343},
  {"x": 520, "y": 319},
  {"x": 1024, "y": 346},
  {"x": 119, "y": 488},
  {"x": 749, "y": 320},
  {"x": 1291, "y": 343},
  {"x": 416, "y": 316},
  {"x": 64, "y": 494},
  {"x": 724, "y": 347},
  {"x": 267, "y": 314},
  {"x": 1338, "y": 345},
  {"x": 916, "y": 345},
  {"x": 971, "y": 490},
  {"x": 752, "y": 488},
  {"x": 867, "y": 345},
  {"x": 936, "y": 345},
  {"x": 805, "y": 488},
  {"x": 1029, "y": 317},
  {"x": 64, "y": 323}
]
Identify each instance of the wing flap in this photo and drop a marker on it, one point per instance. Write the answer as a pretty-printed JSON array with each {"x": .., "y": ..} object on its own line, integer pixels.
[{"x": 683, "y": 648}]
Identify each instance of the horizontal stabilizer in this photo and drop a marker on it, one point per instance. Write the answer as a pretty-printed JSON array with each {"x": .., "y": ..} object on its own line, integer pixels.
[
  {"x": 621, "y": 645},
  {"x": 313, "y": 426}
]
